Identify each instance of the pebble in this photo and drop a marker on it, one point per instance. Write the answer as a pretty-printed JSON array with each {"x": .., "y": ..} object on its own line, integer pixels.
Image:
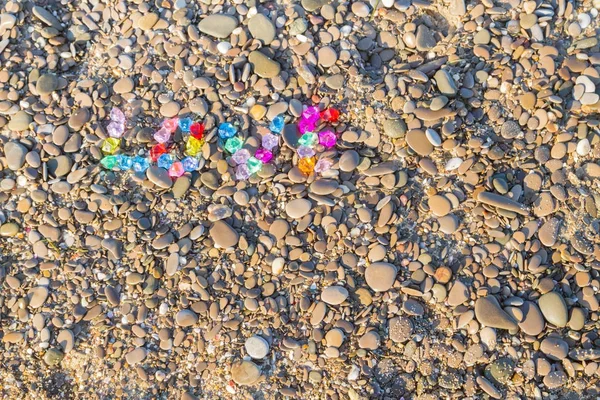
[
  {"x": 349, "y": 161},
  {"x": 380, "y": 276},
  {"x": 298, "y": 208},
  {"x": 327, "y": 56},
  {"x": 264, "y": 66},
  {"x": 245, "y": 373},
  {"x": 394, "y": 128},
  {"x": 219, "y": 26},
  {"x": 20, "y": 121},
  {"x": 224, "y": 235},
  {"x": 159, "y": 176},
  {"x": 489, "y": 313},
  {"x": 38, "y": 296},
  {"x": 46, "y": 84},
  {"x": 186, "y": 318},
  {"x": 257, "y": 347},
  {"x": 136, "y": 356},
  {"x": 15, "y": 155},
  {"x": 334, "y": 295},
  {"x": 261, "y": 28},
  {"x": 440, "y": 205},
  {"x": 554, "y": 309}
]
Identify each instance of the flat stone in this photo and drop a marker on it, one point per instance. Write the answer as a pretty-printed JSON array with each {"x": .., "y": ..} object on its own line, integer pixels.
[
  {"x": 7, "y": 22},
  {"x": 510, "y": 130},
  {"x": 245, "y": 373},
  {"x": 148, "y": 21},
  {"x": 159, "y": 176},
  {"x": 59, "y": 166},
  {"x": 380, "y": 276},
  {"x": 298, "y": 208},
  {"x": 53, "y": 357},
  {"x": 224, "y": 235},
  {"x": 46, "y": 84},
  {"x": 369, "y": 341},
  {"x": 592, "y": 170},
  {"x": 312, "y": 5},
  {"x": 326, "y": 56},
  {"x": 554, "y": 309},
  {"x": 181, "y": 186},
  {"x": 440, "y": 205},
  {"x": 46, "y": 17},
  {"x": 15, "y": 155},
  {"x": 186, "y": 318},
  {"x": 264, "y": 66},
  {"x": 136, "y": 356},
  {"x": 418, "y": 142},
  {"x": 445, "y": 83},
  {"x": 400, "y": 329},
  {"x": 218, "y": 25},
  {"x": 349, "y": 160},
  {"x": 334, "y": 295},
  {"x": 394, "y": 128},
  {"x": 318, "y": 313},
  {"x": 502, "y": 202},
  {"x": 20, "y": 121},
  {"x": 489, "y": 313},
  {"x": 323, "y": 187},
  {"x": 257, "y": 347},
  {"x": 555, "y": 379},
  {"x": 500, "y": 371},
  {"x": 261, "y": 28},
  {"x": 425, "y": 40},
  {"x": 458, "y": 294},
  {"x": 335, "y": 337},
  {"x": 555, "y": 348},
  {"x": 170, "y": 109},
  {"x": 37, "y": 296},
  {"x": 79, "y": 118},
  {"x": 449, "y": 224},
  {"x": 172, "y": 264},
  {"x": 9, "y": 229},
  {"x": 66, "y": 340},
  {"x": 124, "y": 85}
]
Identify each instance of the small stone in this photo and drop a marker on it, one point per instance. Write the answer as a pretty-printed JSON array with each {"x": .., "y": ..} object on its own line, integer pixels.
[
  {"x": 394, "y": 128},
  {"x": 424, "y": 39},
  {"x": 369, "y": 341},
  {"x": 380, "y": 276},
  {"x": 257, "y": 347},
  {"x": 185, "y": 318},
  {"x": 136, "y": 356},
  {"x": 326, "y": 56},
  {"x": 123, "y": 85},
  {"x": 224, "y": 235},
  {"x": 53, "y": 357},
  {"x": 334, "y": 295},
  {"x": 38, "y": 296},
  {"x": 20, "y": 121},
  {"x": 445, "y": 83},
  {"x": 298, "y": 208},
  {"x": 554, "y": 309},
  {"x": 148, "y": 21},
  {"x": 440, "y": 205},
  {"x": 245, "y": 373},
  {"x": 264, "y": 66}
]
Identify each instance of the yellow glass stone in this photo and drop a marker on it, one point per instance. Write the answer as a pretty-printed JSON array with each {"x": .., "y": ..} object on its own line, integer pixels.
[
  {"x": 111, "y": 145},
  {"x": 193, "y": 146},
  {"x": 306, "y": 165}
]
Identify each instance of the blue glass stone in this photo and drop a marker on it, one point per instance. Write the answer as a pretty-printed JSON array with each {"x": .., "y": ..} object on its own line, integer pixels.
[
  {"x": 185, "y": 123},
  {"x": 124, "y": 162},
  {"x": 277, "y": 124},
  {"x": 140, "y": 164},
  {"x": 190, "y": 164},
  {"x": 226, "y": 130},
  {"x": 165, "y": 161}
]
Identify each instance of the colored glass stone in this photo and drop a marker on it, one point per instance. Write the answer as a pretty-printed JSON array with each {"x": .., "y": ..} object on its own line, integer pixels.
[
  {"x": 185, "y": 124},
  {"x": 309, "y": 139},
  {"x": 193, "y": 146},
  {"x": 158, "y": 150},
  {"x": 311, "y": 114},
  {"x": 117, "y": 116},
  {"x": 162, "y": 135},
  {"x": 242, "y": 172},
  {"x": 109, "y": 162},
  {"x": 111, "y": 145},
  {"x": 305, "y": 151},
  {"x": 190, "y": 164},
  {"x": 330, "y": 115},
  {"x": 171, "y": 124},
  {"x": 327, "y": 138},
  {"x": 276, "y": 126},
  {"x": 270, "y": 141},
  {"x": 226, "y": 130},
  {"x": 241, "y": 156},
  {"x": 115, "y": 129},
  {"x": 125, "y": 162},
  {"x": 233, "y": 144},
  {"x": 254, "y": 165},
  {"x": 140, "y": 164},
  {"x": 176, "y": 170},
  {"x": 305, "y": 125},
  {"x": 165, "y": 161},
  {"x": 323, "y": 165},
  {"x": 263, "y": 155},
  {"x": 197, "y": 130},
  {"x": 306, "y": 165}
]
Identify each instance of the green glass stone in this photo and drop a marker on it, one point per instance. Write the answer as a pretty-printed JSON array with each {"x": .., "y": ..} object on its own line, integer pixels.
[
  {"x": 309, "y": 139},
  {"x": 109, "y": 162},
  {"x": 254, "y": 165},
  {"x": 233, "y": 144}
]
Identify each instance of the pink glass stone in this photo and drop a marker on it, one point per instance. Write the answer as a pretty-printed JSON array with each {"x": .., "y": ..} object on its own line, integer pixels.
[
  {"x": 305, "y": 125},
  {"x": 115, "y": 129},
  {"x": 312, "y": 114},
  {"x": 117, "y": 116},
  {"x": 241, "y": 156},
  {"x": 162, "y": 135},
  {"x": 263, "y": 155},
  {"x": 171, "y": 124},
  {"x": 176, "y": 170},
  {"x": 323, "y": 165},
  {"x": 305, "y": 152},
  {"x": 242, "y": 172},
  {"x": 269, "y": 141},
  {"x": 327, "y": 138}
]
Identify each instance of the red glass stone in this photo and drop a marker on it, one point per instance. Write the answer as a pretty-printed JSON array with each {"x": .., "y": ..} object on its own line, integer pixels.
[
  {"x": 158, "y": 150},
  {"x": 197, "y": 130},
  {"x": 330, "y": 115}
]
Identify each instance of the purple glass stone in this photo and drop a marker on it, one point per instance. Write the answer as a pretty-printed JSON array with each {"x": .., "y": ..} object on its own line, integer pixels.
[
  {"x": 162, "y": 135},
  {"x": 263, "y": 155},
  {"x": 115, "y": 129},
  {"x": 305, "y": 152},
  {"x": 323, "y": 165},
  {"x": 269, "y": 141},
  {"x": 327, "y": 138},
  {"x": 242, "y": 172},
  {"x": 240, "y": 156},
  {"x": 312, "y": 114},
  {"x": 117, "y": 116},
  {"x": 305, "y": 125}
]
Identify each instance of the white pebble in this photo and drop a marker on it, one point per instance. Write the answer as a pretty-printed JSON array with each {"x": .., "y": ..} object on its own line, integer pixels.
[
  {"x": 583, "y": 147},
  {"x": 584, "y": 20},
  {"x": 453, "y": 163},
  {"x": 433, "y": 137},
  {"x": 224, "y": 47},
  {"x": 387, "y": 3},
  {"x": 594, "y": 12}
]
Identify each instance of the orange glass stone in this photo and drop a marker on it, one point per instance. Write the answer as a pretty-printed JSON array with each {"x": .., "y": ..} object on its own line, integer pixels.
[{"x": 306, "y": 165}]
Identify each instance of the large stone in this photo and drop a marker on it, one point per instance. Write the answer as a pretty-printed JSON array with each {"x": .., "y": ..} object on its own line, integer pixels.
[
  {"x": 445, "y": 83},
  {"x": 334, "y": 295},
  {"x": 394, "y": 128},
  {"x": 159, "y": 176},
  {"x": 257, "y": 347},
  {"x": 380, "y": 276},
  {"x": 489, "y": 313},
  {"x": 46, "y": 84},
  {"x": 20, "y": 121},
  {"x": 263, "y": 65},
  {"x": 262, "y": 28},
  {"x": 186, "y": 318},
  {"x": 15, "y": 155},
  {"x": 245, "y": 373},
  {"x": 224, "y": 235},
  {"x": 554, "y": 309},
  {"x": 218, "y": 25}
]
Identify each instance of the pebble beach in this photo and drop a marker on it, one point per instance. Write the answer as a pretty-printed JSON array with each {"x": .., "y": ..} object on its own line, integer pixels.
[{"x": 313, "y": 199}]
